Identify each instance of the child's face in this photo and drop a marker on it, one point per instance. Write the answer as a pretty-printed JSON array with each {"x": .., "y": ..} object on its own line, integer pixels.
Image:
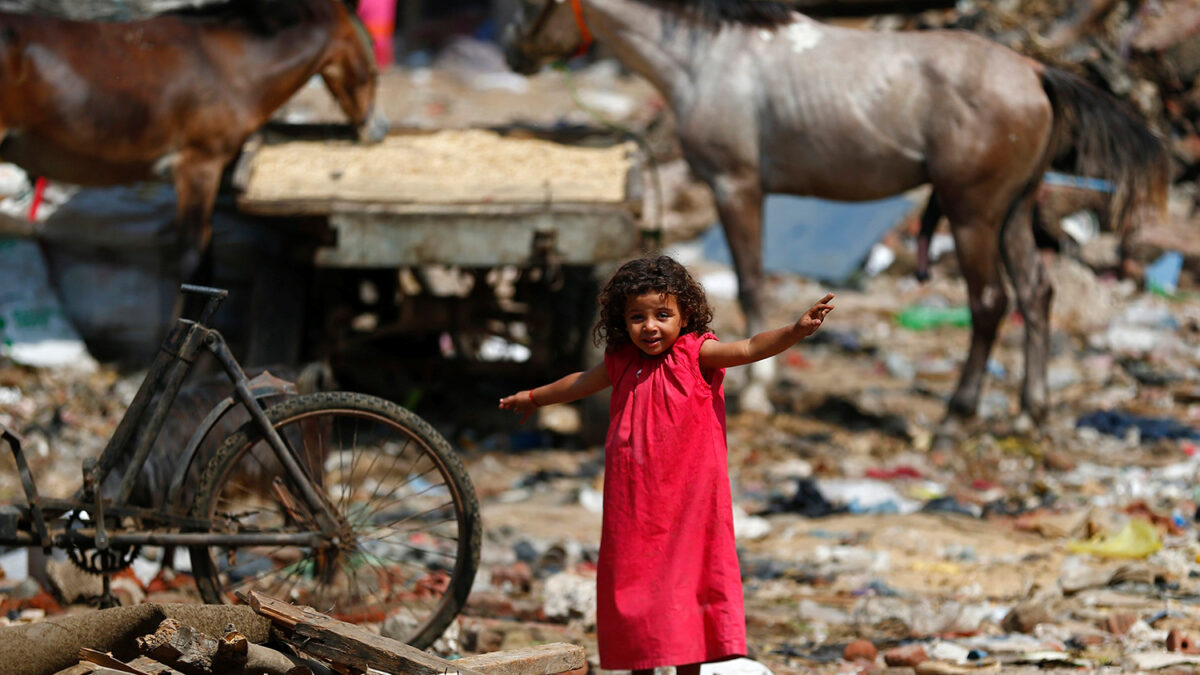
[{"x": 653, "y": 321}]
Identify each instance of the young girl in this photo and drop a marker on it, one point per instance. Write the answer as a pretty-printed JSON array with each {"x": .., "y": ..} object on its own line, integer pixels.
[{"x": 669, "y": 591}]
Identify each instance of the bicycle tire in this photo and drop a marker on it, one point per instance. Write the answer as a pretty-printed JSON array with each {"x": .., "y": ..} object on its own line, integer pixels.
[{"x": 317, "y": 575}]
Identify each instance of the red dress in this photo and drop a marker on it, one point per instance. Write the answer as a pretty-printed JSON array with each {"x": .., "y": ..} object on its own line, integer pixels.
[{"x": 668, "y": 587}]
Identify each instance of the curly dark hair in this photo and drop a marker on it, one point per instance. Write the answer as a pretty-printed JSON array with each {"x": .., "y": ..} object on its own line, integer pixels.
[{"x": 651, "y": 274}]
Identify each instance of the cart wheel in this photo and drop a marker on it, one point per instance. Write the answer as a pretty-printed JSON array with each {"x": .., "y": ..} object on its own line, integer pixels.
[{"x": 410, "y": 539}]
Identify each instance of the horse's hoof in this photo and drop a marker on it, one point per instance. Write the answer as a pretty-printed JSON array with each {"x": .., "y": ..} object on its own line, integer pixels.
[
  {"x": 948, "y": 436},
  {"x": 944, "y": 442},
  {"x": 1024, "y": 424},
  {"x": 754, "y": 399}
]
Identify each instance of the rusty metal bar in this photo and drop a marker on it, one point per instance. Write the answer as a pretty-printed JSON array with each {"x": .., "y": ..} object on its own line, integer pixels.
[
  {"x": 324, "y": 512},
  {"x": 185, "y": 354},
  {"x": 31, "y": 493},
  {"x": 85, "y": 537},
  {"x": 53, "y": 507},
  {"x": 262, "y": 386}
]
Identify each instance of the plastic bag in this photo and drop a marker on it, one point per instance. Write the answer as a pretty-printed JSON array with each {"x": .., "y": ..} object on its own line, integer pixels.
[{"x": 1137, "y": 539}]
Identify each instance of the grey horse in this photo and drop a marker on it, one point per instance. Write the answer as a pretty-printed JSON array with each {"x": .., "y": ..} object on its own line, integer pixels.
[{"x": 769, "y": 100}]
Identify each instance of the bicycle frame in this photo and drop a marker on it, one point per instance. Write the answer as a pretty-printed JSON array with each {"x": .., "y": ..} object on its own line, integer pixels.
[{"x": 27, "y": 525}]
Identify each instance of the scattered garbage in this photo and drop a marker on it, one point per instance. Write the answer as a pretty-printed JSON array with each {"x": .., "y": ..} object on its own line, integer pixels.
[
  {"x": 1120, "y": 424},
  {"x": 34, "y": 331},
  {"x": 926, "y": 317},
  {"x": 1162, "y": 275},
  {"x": 1070, "y": 545},
  {"x": 1137, "y": 539}
]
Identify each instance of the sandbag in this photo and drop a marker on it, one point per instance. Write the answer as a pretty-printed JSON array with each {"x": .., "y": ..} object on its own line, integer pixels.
[{"x": 46, "y": 647}]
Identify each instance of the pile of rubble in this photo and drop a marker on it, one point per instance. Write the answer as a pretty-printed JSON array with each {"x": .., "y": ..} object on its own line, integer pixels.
[
  {"x": 863, "y": 546},
  {"x": 1072, "y": 547},
  {"x": 264, "y": 637}
]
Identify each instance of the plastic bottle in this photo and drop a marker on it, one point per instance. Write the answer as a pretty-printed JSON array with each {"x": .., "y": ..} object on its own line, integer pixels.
[{"x": 923, "y": 318}]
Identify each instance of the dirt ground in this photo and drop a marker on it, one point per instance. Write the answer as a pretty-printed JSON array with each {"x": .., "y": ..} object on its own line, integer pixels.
[{"x": 852, "y": 522}]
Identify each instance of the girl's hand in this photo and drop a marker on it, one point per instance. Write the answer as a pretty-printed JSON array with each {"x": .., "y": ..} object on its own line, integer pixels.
[
  {"x": 811, "y": 320},
  {"x": 521, "y": 403}
]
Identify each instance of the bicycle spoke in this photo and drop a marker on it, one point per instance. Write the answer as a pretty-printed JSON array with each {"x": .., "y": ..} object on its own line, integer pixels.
[
  {"x": 295, "y": 579},
  {"x": 345, "y": 481},
  {"x": 406, "y": 535},
  {"x": 371, "y": 469},
  {"x": 251, "y": 581},
  {"x": 358, "y": 585},
  {"x": 268, "y": 556},
  {"x": 432, "y": 467},
  {"x": 414, "y": 547},
  {"x": 395, "y": 457},
  {"x": 388, "y": 573},
  {"x": 400, "y": 490},
  {"x": 389, "y": 474},
  {"x": 353, "y": 449},
  {"x": 408, "y": 517}
]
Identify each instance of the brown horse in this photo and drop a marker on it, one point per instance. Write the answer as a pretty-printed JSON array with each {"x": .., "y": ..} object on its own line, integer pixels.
[
  {"x": 172, "y": 97},
  {"x": 769, "y": 100}
]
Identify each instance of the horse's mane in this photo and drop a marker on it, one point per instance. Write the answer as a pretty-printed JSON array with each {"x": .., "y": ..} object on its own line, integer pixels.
[
  {"x": 753, "y": 12},
  {"x": 259, "y": 16}
]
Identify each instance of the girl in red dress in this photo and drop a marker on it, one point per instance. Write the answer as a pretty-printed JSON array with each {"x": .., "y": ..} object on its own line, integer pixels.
[{"x": 668, "y": 588}]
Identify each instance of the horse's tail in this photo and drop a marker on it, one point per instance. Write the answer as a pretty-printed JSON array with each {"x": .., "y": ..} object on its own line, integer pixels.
[{"x": 1108, "y": 141}]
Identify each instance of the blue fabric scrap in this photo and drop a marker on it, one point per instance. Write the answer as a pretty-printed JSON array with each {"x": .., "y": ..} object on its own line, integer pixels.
[{"x": 1118, "y": 423}]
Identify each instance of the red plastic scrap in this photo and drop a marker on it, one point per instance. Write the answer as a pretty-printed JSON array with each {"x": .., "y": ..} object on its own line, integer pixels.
[{"x": 894, "y": 473}]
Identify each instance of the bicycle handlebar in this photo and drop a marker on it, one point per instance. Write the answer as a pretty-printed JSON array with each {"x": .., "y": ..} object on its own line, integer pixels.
[{"x": 215, "y": 296}]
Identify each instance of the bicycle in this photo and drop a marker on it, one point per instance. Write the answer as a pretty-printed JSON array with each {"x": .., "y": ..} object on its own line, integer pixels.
[{"x": 337, "y": 500}]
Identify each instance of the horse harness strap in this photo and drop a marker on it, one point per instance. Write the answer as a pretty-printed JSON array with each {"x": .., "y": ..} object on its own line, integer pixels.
[{"x": 585, "y": 35}]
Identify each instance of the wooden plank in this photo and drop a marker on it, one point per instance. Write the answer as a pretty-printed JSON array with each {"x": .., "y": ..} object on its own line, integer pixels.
[
  {"x": 581, "y": 237},
  {"x": 447, "y": 167},
  {"x": 345, "y": 643},
  {"x": 548, "y": 659},
  {"x": 107, "y": 661},
  {"x": 291, "y": 207}
]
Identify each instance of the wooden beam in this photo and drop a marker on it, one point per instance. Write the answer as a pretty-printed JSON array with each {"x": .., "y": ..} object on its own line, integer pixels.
[
  {"x": 548, "y": 659},
  {"x": 345, "y": 643},
  {"x": 107, "y": 661}
]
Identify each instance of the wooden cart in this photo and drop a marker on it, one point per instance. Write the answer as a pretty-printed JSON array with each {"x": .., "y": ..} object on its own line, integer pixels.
[{"x": 478, "y": 242}]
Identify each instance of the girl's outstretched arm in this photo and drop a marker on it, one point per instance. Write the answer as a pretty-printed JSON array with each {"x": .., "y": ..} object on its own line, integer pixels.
[
  {"x": 564, "y": 390},
  {"x": 766, "y": 344}
]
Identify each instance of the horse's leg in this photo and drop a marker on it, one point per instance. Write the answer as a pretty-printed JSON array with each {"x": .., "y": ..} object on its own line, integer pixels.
[
  {"x": 197, "y": 180},
  {"x": 977, "y": 245},
  {"x": 929, "y": 222},
  {"x": 739, "y": 200},
  {"x": 1127, "y": 266},
  {"x": 1034, "y": 294}
]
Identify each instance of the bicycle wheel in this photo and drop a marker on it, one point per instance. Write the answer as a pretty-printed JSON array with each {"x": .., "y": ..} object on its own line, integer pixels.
[{"x": 409, "y": 521}]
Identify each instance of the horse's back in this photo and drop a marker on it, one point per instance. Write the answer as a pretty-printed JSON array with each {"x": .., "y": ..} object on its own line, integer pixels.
[{"x": 836, "y": 101}]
